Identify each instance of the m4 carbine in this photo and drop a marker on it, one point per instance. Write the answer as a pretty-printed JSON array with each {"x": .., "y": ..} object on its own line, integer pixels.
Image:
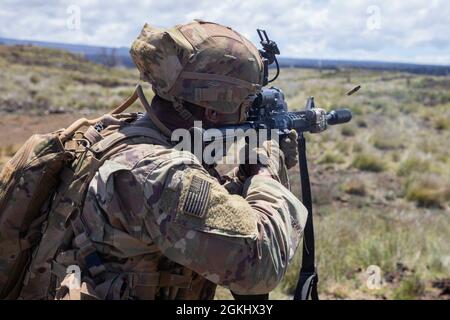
[{"x": 270, "y": 111}]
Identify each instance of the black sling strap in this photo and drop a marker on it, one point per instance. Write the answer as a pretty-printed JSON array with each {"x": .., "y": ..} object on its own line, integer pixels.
[{"x": 308, "y": 278}]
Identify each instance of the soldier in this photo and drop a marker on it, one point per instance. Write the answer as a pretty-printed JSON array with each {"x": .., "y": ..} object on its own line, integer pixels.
[{"x": 164, "y": 226}]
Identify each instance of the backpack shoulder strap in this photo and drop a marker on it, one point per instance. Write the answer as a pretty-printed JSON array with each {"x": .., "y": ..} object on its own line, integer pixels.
[
  {"x": 127, "y": 133},
  {"x": 103, "y": 150}
]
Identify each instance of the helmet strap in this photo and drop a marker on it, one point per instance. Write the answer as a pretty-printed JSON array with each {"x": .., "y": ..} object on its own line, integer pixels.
[
  {"x": 151, "y": 112},
  {"x": 182, "y": 111}
]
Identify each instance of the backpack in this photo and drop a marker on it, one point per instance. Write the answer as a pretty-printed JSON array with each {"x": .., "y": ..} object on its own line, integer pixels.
[{"x": 42, "y": 188}]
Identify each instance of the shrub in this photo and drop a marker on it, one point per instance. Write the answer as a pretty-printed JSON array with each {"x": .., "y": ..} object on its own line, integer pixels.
[
  {"x": 343, "y": 146},
  {"x": 410, "y": 288},
  {"x": 331, "y": 157},
  {"x": 34, "y": 79},
  {"x": 8, "y": 151},
  {"x": 366, "y": 162},
  {"x": 357, "y": 147},
  {"x": 354, "y": 187},
  {"x": 427, "y": 192},
  {"x": 386, "y": 142},
  {"x": 361, "y": 123},
  {"x": 428, "y": 198},
  {"x": 442, "y": 123},
  {"x": 411, "y": 165},
  {"x": 395, "y": 157},
  {"x": 348, "y": 131}
]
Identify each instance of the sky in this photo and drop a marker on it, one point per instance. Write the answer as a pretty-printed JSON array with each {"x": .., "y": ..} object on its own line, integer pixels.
[{"x": 416, "y": 31}]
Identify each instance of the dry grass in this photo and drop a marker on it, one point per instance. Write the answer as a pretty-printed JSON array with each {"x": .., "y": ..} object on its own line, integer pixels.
[
  {"x": 410, "y": 288},
  {"x": 428, "y": 191},
  {"x": 442, "y": 122},
  {"x": 45, "y": 81},
  {"x": 354, "y": 187},
  {"x": 368, "y": 162},
  {"x": 412, "y": 165},
  {"x": 395, "y": 207}
]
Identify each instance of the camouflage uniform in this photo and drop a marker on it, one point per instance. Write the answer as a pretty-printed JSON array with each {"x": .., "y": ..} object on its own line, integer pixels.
[
  {"x": 151, "y": 209},
  {"x": 164, "y": 226}
]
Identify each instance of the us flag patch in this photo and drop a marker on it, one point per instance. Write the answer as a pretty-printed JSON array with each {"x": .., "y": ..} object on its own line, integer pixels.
[{"x": 197, "y": 197}]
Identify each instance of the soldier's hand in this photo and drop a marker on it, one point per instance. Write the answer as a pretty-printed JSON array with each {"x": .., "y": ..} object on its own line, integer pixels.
[
  {"x": 288, "y": 144},
  {"x": 270, "y": 162},
  {"x": 248, "y": 170}
]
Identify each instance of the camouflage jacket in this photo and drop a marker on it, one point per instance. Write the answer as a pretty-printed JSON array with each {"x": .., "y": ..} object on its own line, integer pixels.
[{"x": 159, "y": 217}]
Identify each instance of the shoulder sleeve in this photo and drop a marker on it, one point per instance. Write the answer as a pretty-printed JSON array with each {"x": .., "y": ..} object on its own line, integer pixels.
[{"x": 241, "y": 242}]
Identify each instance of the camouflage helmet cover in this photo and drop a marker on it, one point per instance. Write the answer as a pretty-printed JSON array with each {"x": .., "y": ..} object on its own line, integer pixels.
[{"x": 204, "y": 63}]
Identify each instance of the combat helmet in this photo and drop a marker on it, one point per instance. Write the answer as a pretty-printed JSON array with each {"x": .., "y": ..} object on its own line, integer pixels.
[{"x": 201, "y": 62}]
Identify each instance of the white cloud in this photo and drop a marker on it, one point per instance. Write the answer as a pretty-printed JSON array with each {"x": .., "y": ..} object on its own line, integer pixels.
[{"x": 413, "y": 30}]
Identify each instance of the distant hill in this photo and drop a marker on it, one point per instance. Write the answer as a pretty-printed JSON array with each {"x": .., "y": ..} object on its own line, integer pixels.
[
  {"x": 120, "y": 56},
  {"x": 370, "y": 65},
  {"x": 103, "y": 55}
]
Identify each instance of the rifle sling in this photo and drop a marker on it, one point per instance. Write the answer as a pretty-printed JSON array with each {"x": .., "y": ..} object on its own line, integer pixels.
[{"x": 308, "y": 278}]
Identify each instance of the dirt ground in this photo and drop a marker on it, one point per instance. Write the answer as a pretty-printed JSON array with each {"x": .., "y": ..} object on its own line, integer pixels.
[{"x": 15, "y": 129}]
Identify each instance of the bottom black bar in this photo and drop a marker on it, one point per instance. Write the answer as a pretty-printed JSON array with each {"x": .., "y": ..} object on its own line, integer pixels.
[{"x": 221, "y": 309}]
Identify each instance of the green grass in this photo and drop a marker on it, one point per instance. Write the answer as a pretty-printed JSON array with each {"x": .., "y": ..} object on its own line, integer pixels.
[{"x": 411, "y": 288}]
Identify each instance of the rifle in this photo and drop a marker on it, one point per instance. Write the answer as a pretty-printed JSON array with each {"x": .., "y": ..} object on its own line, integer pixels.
[{"x": 269, "y": 111}]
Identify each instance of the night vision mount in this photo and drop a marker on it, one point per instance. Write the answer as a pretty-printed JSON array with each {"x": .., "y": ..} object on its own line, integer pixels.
[{"x": 269, "y": 54}]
